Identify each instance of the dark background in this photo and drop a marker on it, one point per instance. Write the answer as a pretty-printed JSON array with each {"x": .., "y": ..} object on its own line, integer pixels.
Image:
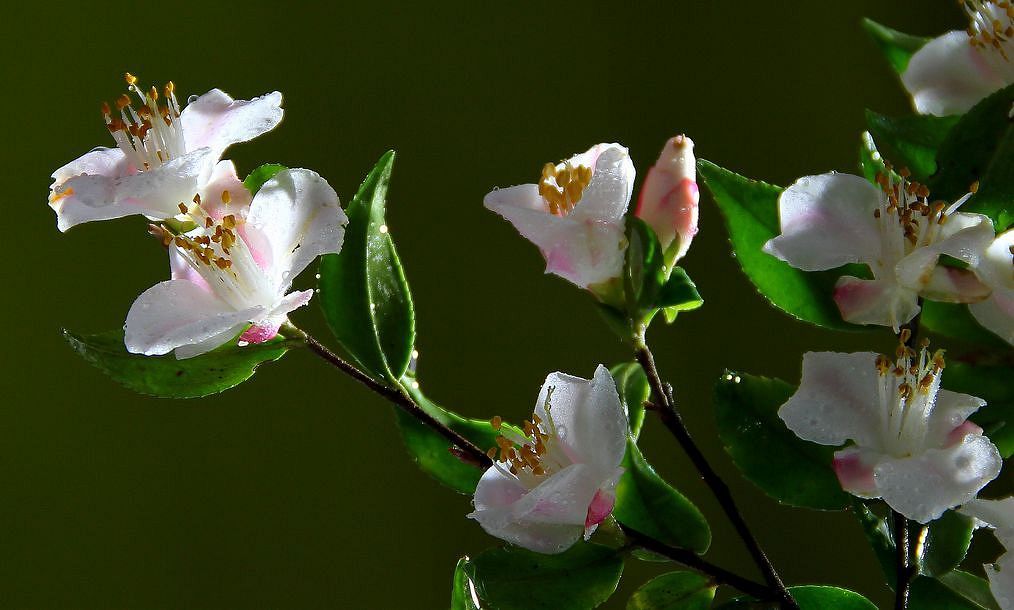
[{"x": 293, "y": 490}]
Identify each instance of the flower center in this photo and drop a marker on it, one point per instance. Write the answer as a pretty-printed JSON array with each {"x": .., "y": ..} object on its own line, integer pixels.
[
  {"x": 908, "y": 393},
  {"x": 151, "y": 134},
  {"x": 532, "y": 456},
  {"x": 990, "y": 24},
  {"x": 563, "y": 185},
  {"x": 905, "y": 218}
]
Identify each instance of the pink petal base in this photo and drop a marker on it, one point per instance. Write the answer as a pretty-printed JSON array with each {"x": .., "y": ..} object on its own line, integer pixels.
[
  {"x": 958, "y": 434},
  {"x": 853, "y": 475},
  {"x": 260, "y": 334},
  {"x": 600, "y": 507}
]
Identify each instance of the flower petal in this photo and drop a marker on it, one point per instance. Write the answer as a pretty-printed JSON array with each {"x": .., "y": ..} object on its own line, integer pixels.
[
  {"x": 949, "y": 413},
  {"x": 100, "y": 161},
  {"x": 224, "y": 179},
  {"x": 669, "y": 199},
  {"x": 854, "y": 468},
  {"x": 156, "y": 193},
  {"x": 826, "y": 222},
  {"x": 964, "y": 237},
  {"x": 997, "y": 514},
  {"x": 523, "y": 207},
  {"x": 923, "y": 486},
  {"x": 588, "y": 417},
  {"x": 298, "y": 213},
  {"x": 588, "y": 253},
  {"x": 1001, "y": 581},
  {"x": 880, "y": 302},
  {"x": 216, "y": 121},
  {"x": 837, "y": 399},
  {"x": 177, "y": 313},
  {"x": 997, "y": 314},
  {"x": 949, "y": 76},
  {"x": 607, "y": 195}
]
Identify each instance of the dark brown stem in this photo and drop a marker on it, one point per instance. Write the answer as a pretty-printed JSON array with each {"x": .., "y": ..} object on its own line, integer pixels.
[
  {"x": 670, "y": 416},
  {"x": 690, "y": 559},
  {"x": 461, "y": 447}
]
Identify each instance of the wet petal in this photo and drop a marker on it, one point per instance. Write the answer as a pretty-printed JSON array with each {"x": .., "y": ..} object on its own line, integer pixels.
[
  {"x": 669, "y": 199},
  {"x": 949, "y": 413},
  {"x": 949, "y": 76},
  {"x": 101, "y": 161},
  {"x": 216, "y": 121},
  {"x": 225, "y": 180},
  {"x": 826, "y": 222},
  {"x": 854, "y": 468},
  {"x": 607, "y": 195},
  {"x": 880, "y": 302},
  {"x": 837, "y": 399},
  {"x": 923, "y": 486},
  {"x": 996, "y": 314}
]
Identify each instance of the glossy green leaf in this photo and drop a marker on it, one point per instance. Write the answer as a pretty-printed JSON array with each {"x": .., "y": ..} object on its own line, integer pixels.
[
  {"x": 955, "y": 321},
  {"x": 750, "y": 209},
  {"x": 259, "y": 176},
  {"x": 879, "y": 535},
  {"x": 971, "y": 588},
  {"x": 463, "y": 591},
  {"x": 431, "y": 451},
  {"x": 651, "y": 506},
  {"x": 947, "y": 543},
  {"x": 644, "y": 267},
  {"x": 632, "y": 386},
  {"x": 363, "y": 290},
  {"x": 930, "y": 594},
  {"x": 810, "y": 597},
  {"x": 678, "y": 294},
  {"x": 910, "y": 141},
  {"x": 980, "y": 148},
  {"x": 993, "y": 384},
  {"x": 896, "y": 46},
  {"x": 787, "y": 468},
  {"x": 511, "y": 578},
  {"x": 674, "y": 591},
  {"x": 167, "y": 377}
]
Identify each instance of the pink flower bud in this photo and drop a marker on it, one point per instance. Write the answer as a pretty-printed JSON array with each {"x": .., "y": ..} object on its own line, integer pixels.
[{"x": 669, "y": 199}]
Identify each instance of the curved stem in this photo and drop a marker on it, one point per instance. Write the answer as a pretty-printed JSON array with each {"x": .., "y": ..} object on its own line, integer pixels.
[
  {"x": 690, "y": 559},
  {"x": 461, "y": 447},
  {"x": 670, "y": 416}
]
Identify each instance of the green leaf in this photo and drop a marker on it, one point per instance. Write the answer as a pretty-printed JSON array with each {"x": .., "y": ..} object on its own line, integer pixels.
[
  {"x": 363, "y": 290},
  {"x": 897, "y": 47},
  {"x": 678, "y": 294},
  {"x": 653, "y": 507},
  {"x": 431, "y": 451},
  {"x": 787, "y": 468},
  {"x": 930, "y": 594},
  {"x": 515, "y": 579},
  {"x": 947, "y": 543},
  {"x": 911, "y": 141},
  {"x": 167, "y": 377},
  {"x": 881, "y": 538},
  {"x": 955, "y": 321},
  {"x": 674, "y": 591},
  {"x": 644, "y": 269},
  {"x": 750, "y": 209},
  {"x": 971, "y": 588},
  {"x": 463, "y": 592},
  {"x": 632, "y": 386},
  {"x": 811, "y": 597},
  {"x": 992, "y": 384},
  {"x": 259, "y": 176},
  {"x": 980, "y": 148}
]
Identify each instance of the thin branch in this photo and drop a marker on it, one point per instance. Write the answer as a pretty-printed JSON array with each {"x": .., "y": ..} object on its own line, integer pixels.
[
  {"x": 670, "y": 416},
  {"x": 690, "y": 559},
  {"x": 461, "y": 447}
]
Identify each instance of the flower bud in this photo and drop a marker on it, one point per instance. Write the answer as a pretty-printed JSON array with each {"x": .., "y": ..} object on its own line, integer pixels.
[{"x": 668, "y": 201}]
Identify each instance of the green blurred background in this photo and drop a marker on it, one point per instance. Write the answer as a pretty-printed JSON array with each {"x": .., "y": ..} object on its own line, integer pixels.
[{"x": 293, "y": 491}]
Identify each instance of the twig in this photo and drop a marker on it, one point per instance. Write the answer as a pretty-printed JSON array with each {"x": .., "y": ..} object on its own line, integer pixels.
[{"x": 670, "y": 416}]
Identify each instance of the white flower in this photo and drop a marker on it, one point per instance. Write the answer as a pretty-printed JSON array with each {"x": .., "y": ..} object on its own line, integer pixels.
[
  {"x": 996, "y": 268},
  {"x": 998, "y": 514},
  {"x": 833, "y": 219},
  {"x": 164, "y": 156},
  {"x": 575, "y": 213},
  {"x": 669, "y": 199},
  {"x": 913, "y": 445},
  {"x": 232, "y": 273},
  {"x": 556, "y": 482},
  {"x": 953, "y": 72}
]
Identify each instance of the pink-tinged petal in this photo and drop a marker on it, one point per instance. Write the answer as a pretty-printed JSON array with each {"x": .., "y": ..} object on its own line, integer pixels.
[
  {"x": 948, "y": 419},
  {"x": 879, "y": 302},
  {"x": 607, "y": 196},
  {"x": 826, "y": 222},
  {"x": 925, "y": 485},
  {"x": 997, "y": 514},
  {"x": 156, "y": 193},
  {"x": 176, "y": 313},
  {"x": 965, "y": 237},
  {"x": 181, "y": 269},
  {"x": 669, "y": 199},
  {"x": 602, "y": 504},
  {"x": 216, "y": 121},
  {"x": 949, "y": 76},
  {"x": 588, "y": 416},
  {"x": 996, "y": 314},
  {"x": 564, "y": 497},
  {"x": 958, "y": 434},
  {"x": 854, "y": 468},
  {"x": 523, "y": 207},
  {"x": 952, "y": 285},
  {"x": 268, "y": 327},
  {"x": 497, "y": 489},
  {"x": 588, "y": 253},
  {"x": 299, "y": 216},
  {"x": 196, "y": 349},
  {"x": 997, "y": 265},
  {"x": 108, "y": 162},
  {"x": 224, "y": 179},
  {"x": 259, "y": 333},
  {"x": 837, "y": 399}
]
